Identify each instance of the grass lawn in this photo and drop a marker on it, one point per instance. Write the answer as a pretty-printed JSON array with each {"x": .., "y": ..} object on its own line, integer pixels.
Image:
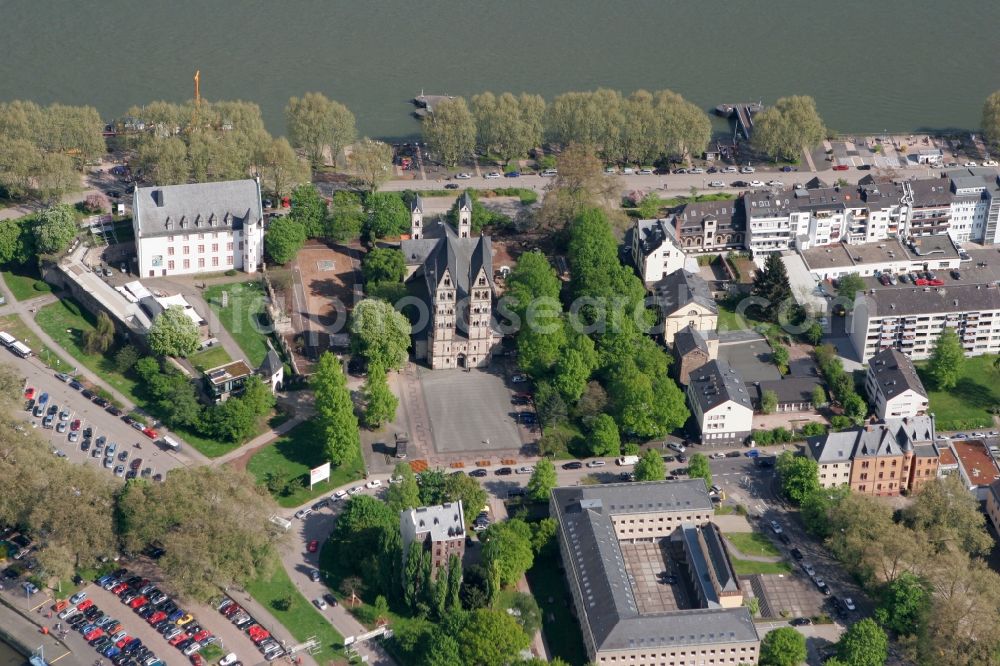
[
  {"x": 752, "y": 543},
  {"x": 294, "y": 454},
  {"x": 561, "y": 629},
  {"x": 25, "y": 283},
  {"x": 748, "y": 568},
  {"x": 730, "y": 320},
  {"x": 244, "y": 316},
  {"x": 14, "y": 325},
  {"x": 212, "y": 357},
  {"x": 302, "y": 619},
  {"x": 66, "y": 322},
  {"x": 967, "y": 406}
]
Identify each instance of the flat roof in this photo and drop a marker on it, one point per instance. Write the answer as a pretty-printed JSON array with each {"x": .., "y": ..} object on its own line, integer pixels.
[
  {"x": 224, "y": 373},
  {"x": 841, "y": 255},
  {"x": 905, "y": 300},
  {"x": 976, "y": 460}
]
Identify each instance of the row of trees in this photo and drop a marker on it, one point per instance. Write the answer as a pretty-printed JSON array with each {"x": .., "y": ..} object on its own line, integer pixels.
[
  {"x": 841, "y": 387},
  {"x": 77, "y": 516},
  {"x": 637, "y": 129},
  {"x": 923, "y": 565},
  {"x": 863, "y": 644}
]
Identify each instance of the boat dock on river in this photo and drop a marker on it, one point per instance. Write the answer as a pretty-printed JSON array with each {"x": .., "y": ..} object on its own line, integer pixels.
[{"x": 743, "y": 112}]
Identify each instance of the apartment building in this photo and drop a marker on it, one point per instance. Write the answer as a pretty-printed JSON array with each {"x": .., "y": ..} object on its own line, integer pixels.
[
  {"x": 441, "y": 530},
  {"x": 882, "y": 459},
  {"x": 976, "y": 467},
  {"x": 710, "y": 226},
  {"x": 975, "y": 204},
  {"x": 595, "y": 526},
  {"x": 911, "y": 319},
  {"x": 692, "y": 349},
  {"x": 993, "y": 504},
  {"x": 655, "y": 249},
  {"x": 683, "y": 299},
  {"x": 930, "y": 208},
  {"x": 198, "y": 228},
  {"x": 720, "y": 403},
  {"x": 893, "y": 386},
  {"x": 772, "y": 221}
]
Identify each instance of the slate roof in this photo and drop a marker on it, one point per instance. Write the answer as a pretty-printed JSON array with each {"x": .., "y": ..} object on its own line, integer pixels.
[
  {"x": 597, "y": 568},
  {"x": 444, "y": 251},
  {"x": 707, "y": 558},
  {"x": 682, "y": 288},
  {"x": 653, "y": 233},
  {"x": 931, "y": 192},
  {"x": 716, "y": 383},
  {"x": 690, "y": 338},
  {"x": 230, "y": 204},
  {"x": 728, "y": 215},
  {"x": 272, "y": 363},
  {"x": 904, "y": 301},
  {"x": 417, "y": 205},
  {"x": 894, "y": 373},
  {"x": 894, "y": 437},
  {"x": 443, "y": 522},
  {"x": 788, "y": 389}
]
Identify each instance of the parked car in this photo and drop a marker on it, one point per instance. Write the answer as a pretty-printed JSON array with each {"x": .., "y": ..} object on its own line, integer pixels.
[
  {"x": 478, "y": 473},
  {"x": 573, "y": 465},
  {"x": 313, "y": 546},
  {"x": 504, "y": 471}
]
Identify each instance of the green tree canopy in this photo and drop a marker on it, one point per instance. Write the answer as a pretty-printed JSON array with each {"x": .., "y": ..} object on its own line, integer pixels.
[
  {"x": 768, "y": 401},
  {"x": 604, "y": 437},
  {"x": 100, "y": 338},
  {"x": 946, "y": 360},
  {"x": 284, "y": 238},
  {"x": 173, "y": 333},
  {"x": 465, "y": 489},
  {"x": 542, "y": 480},
  {"x": 799, "y": 476},
  {"x": 772, "y": 285},
  {"x": 450, "y": 131},
  {"x": 784, "y": 129},
  {"x": 371, "y": 162},
  {"x": 949, "y": 520},
  {"x": 508, "y": 126},
  {"x": 490, "y": 637},
  {"x": 55, "y": 229},
  {"x": 904, "y": 606},
  {"x": 698, "y": 468},
  {"x": 316, "y": 124},
  {"x": 991, "y": 119},
  {"x": 783, "y": 646},
  {"x": 532, "y": 278},
  {"x": 864, "y": 644},
  {"x": 309, "y": 209},
  {"x": 383, "y": 264},
  {"x": 406, "y": 493},
  {"x": 380, "y": 334},
  {"x": 346, "y": 217},
  {"x": 387, "y": 216},
  {"x": 335, "y": 410},
  {"x": 507, "y": 546},
  {"x": 281, "y": 168},
  {"x": 650, "y": 467},
  {"x": 381, "y": 404},
  {"x": 848, "y": 287}
]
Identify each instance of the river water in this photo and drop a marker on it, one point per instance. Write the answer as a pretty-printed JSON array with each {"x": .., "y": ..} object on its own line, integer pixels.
[
  {"x": 9, "y": 656},
  {"x": 871, "y": 65}
]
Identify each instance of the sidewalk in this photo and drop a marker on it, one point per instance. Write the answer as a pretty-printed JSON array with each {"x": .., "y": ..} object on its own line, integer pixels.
[{"x": 23, "y": 631}]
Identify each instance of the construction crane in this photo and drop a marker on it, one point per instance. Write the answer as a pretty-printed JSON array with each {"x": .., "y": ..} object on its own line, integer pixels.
[{"x": 197, "y": 90}]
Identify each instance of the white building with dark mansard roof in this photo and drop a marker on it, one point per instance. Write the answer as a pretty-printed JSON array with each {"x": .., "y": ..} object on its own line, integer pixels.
[
  {"x": 454, "y": 273},
  {"x": 198, "y": 228}
]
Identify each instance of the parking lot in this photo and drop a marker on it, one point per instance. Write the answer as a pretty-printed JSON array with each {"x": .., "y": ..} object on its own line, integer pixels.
[
  {"x": 793, "y": 595},
  {"x": 77, "y": 407}
]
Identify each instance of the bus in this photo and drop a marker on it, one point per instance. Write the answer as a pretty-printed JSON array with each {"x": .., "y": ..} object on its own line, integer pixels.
[
  {"x": 7, "y": 339},
  {"x": 21, "y": 349}
]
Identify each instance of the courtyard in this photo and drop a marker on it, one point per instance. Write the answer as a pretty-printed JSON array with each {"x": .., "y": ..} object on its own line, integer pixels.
[{"x": 644, "y": 561}]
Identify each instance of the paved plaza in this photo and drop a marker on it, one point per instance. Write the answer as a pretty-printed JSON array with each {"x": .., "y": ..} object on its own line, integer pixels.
[{"x": 644, "y": 562}]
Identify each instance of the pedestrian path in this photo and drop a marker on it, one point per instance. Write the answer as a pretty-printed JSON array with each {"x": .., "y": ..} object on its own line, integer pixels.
[{"x": 809, "y": 159}]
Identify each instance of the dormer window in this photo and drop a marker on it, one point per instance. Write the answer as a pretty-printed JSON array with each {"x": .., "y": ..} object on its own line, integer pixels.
[
  {"x": 214, "y": 221},
  {"x": 170, "y": 223},
  {"x": 447, "y": 282},
  {"x": 482, "y": 281},
  {"x": 227, "y": 218}
]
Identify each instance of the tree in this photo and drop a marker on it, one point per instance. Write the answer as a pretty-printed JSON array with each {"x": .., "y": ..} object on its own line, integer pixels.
[
  {"x": 284, "y": 238},
  {"x": 531, "y": 279},
  {"x": 309, "y": 209},
  {"x": 231, "y": 421},
  {"x": 818, "y": 397},
  {"x": 257, "y": 395},
  {"x": 346, "y": 217},
  {"x": 650, "y": 467},
  {"x": 450, "y": 131},
  {"x": 507, "y": 545},
  {"x": 864, "y": 644},
  {"x": 465, "y": 489},
  {"x": 904, "y": 606},
  {"x": 849, "y": 286},
  {"x": 381, "y": 404},
  {"x": 816, "y": 507},
  {"x": 315, "y": 123},
  {"x": 771, "y": 284},
  {"x": 97, "y": 202},
  {"x": 380, "y": 334},
  {"x": 371, "y": 162},
  {"x": 780, "y": 356},
  {"x": 991, "y": 119},
  {"x": 783, "y": 646},
  {"x": 508, "y": 126},
  {"x": 55, "y": 229},
  {"x": 855, "y": 408},
  {"x": 542, "y": 480},
  {"x": 281, "y": 168},
  {"x": 406, "y": 493},
  {"x": 784, "y": 129},
  {"x": 383, "y": 264},
  {"x": 604, "y": 438},
  {"x": 768, "y": 402},
  {"x": 387, "y": 216},
  {"x": 814, "y": 333},
  {"x": 335, "y": 410},
  {"x": 580, "y": 185},
  {"x": 799, "y": 476},
  {"x": 684, "y": 128},
  {"x": 173, "y": 333},
  {"x": 946, "y": 360},
  {"x": 165, "y": 159},
  {"x": 947, "y": 518},
  {"x": 99, "y": 339},
  {"x": 698, "y": 468},
  {"x": 489, "y": 637}
]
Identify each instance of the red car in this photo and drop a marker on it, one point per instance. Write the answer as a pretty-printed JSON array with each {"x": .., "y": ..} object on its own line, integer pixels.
[
  {"x": 231, "y": 610},
  {"x": 178, "y": 638},
  {"x": 120, "y": 589},
  {"x": 96, "y": 632},
  {"x": 840, "y": 167},
  {"x": 84, "y": 605},
  {"x": 138, "y": 601},
  {"x": 29, "y": 393},
  {"x": 313, "y": 546},
  {"x": 158, "y": 616},
  {"x": 113, "y": 628},
  {"x": 149, "y": 432},
  {"x": 196, "y": 660},
  {"x": 202, "y": 635},
  {"x": 258, "y": 633},
  {"x": 75, "y": 425},
  {"x": 125, "y": 639}
]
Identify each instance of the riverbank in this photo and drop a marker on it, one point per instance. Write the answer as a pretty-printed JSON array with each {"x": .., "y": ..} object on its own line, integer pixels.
[{"x": 22, "y": 634}]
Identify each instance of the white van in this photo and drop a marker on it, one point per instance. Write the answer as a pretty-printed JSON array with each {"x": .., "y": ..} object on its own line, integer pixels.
[
  {"x": 283, "y": 523},
  {"x": 627, "y": 460},
  {"x": 679, "y": 448}
]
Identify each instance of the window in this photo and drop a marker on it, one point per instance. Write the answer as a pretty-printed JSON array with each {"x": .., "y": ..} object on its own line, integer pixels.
[
  {"x": 201, "y": 262},
  {"x": 215, "y": 247},
  {"x": 170, "y": 239},
  {"x": 215, "y": 261},
  {"x": 170, "y": 265},
  {"x": 187, "y": 263},
  {"x": 201, "y": 249},
  {"x": 229, "y": 247},
  {"x": 187, "y": 249},
  {"x": 170, "y": 251}
]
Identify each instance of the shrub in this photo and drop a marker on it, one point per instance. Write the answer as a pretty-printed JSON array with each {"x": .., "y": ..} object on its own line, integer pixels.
[
  {"x": 231, "y": 272},
  {"x": 40, "y": 285}
]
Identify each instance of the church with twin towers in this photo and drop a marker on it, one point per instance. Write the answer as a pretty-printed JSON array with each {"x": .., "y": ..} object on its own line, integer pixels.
[{"x": 452, "y": 271}]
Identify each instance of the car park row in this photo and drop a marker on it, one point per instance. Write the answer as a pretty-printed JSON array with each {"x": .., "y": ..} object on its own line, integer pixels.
[{"x": 261, "y": 637}]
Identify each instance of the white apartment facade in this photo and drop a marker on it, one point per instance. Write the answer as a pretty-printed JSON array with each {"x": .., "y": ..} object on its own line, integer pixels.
[
  {"x": 894, "y": 387},
  {"x": 655, "y": 249},
  {"x": 720, "y": 403},
  {"x": 198, "y": 228},
  {"x": 911, "y": 319}
]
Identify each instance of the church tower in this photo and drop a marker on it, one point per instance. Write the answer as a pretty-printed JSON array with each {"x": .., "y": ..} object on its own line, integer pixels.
[
  {"x": 465, "y": 216},
  {"x": 417, "y": 218}
]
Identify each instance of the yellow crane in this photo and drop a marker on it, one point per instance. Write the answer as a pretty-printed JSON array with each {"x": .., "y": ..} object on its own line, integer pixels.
[{"x": 197, "y": 90}]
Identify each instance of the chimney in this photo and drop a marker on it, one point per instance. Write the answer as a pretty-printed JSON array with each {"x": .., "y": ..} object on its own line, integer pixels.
[{"x": 158, "y": 198}]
